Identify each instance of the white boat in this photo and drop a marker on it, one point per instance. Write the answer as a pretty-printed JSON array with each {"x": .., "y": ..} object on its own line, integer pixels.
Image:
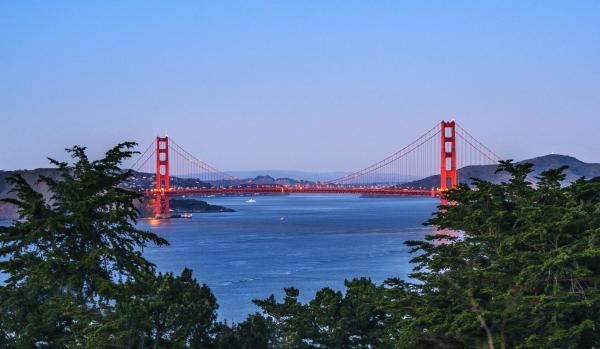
[
  {"x": 250, "y": 200},
  {"x": 186, "y": 215}
]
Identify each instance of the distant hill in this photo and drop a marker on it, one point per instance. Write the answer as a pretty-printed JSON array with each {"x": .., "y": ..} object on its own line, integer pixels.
[
  {"x": 141, "y": 181},
  {"x": 298, "y": 175},
  {"x": 577, "y": 169},
  {"x": 268, "y": 180},
  {"x": 31, "y": 176}
]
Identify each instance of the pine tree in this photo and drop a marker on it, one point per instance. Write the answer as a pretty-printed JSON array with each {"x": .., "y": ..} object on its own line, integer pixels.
[
  {"x": 524, "y": 271},
  {"x": 68, "y": 257}
]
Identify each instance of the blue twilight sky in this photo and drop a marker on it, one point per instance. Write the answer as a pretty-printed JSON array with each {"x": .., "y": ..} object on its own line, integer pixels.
[{"x": 300, "y": 85}]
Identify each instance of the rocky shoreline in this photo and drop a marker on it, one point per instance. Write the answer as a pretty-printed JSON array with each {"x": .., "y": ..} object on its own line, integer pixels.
[{"x": 196, "y": 206}]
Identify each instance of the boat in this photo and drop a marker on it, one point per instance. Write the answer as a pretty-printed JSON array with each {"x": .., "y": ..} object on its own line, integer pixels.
[{"x": 250, "y": 200}]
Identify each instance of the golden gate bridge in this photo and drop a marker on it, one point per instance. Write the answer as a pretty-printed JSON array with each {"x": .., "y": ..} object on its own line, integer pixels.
[{"x": 441, "y": 150}]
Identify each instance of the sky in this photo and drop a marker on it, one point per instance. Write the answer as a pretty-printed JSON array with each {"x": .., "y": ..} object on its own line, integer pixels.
[{"x": 297, "y": 85}]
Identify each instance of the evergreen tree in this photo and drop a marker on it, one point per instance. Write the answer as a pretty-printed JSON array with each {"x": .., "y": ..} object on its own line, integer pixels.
[
  {"x": 331, "y": 320},
  {"x": 161, "y": 311},
  {"x": 256, "y": 332},
  {"x": 66, "y": 257},
  {"x": 524, "y": 271}
]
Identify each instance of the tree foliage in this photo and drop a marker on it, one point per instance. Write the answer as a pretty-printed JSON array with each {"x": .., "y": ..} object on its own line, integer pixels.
[
  {"x": 76, "y": 273},
  {"x": 525, "y": 271}
]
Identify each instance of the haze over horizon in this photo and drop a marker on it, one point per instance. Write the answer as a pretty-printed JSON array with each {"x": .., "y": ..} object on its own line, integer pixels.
[{"x": 307, "y": 86}]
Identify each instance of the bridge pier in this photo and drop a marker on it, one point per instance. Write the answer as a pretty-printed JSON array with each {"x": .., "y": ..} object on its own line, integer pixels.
[{"x": 161, "y": 206}]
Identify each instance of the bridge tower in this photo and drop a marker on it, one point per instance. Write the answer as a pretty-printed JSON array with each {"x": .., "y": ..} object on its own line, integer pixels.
[
  {"x": 162, "y": 163},
  {"x": 448, "y": 174},
  {"x": 163, "y": 183}
]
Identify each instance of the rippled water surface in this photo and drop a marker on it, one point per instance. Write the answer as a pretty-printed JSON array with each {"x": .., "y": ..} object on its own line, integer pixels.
[{"x": 306, "y": 241}]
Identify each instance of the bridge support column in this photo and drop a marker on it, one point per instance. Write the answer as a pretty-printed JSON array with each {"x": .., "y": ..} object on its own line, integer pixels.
[
  {"x": 162, "y": 163},
  {"x": 162, "y": 206},
  {"x": 448, "y": 175},
  {"x": 163, "y": 183}
]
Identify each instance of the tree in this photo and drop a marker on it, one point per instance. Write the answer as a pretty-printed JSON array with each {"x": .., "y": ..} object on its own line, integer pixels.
[
  {"x": 256, "y": 332},
  {"x": 67, "y": 257},
  {"x": 525, "y": 270},
  {"x": 162, "y": 311},
  {"x": 332, "y": 319}
]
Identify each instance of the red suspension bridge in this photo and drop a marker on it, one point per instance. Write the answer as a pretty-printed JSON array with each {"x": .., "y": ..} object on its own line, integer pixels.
[{"x": 442, "y": 150}]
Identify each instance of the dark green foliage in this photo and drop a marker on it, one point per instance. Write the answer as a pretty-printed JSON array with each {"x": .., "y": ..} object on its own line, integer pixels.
[
  {"x": 257, "y": 332},
  {"x": 332, "y": 319},
  {"x": 161, "y": 311},
  {"x": 526, "y": 270},
  {"x": 76, "y": 274}
]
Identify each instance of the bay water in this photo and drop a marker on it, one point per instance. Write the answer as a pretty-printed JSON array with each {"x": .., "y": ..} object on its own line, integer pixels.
[{"x": 307, "y": 241}]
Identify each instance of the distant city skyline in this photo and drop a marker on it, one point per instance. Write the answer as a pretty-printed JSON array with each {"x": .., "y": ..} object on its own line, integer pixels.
[{"x": 304, "y": 86}]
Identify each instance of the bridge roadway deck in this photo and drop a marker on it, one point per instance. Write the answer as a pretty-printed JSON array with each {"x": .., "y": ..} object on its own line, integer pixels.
[{"x": 296, "y": 190}]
